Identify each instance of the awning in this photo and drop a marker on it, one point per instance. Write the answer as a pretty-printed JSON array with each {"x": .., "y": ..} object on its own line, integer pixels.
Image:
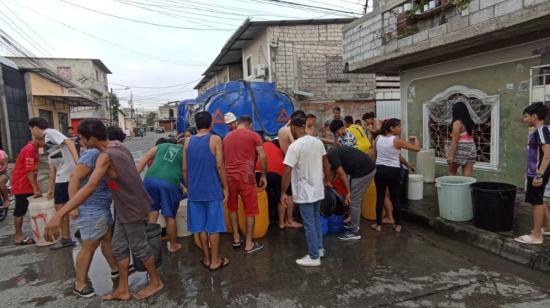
[{"x": 71, "y": 100}]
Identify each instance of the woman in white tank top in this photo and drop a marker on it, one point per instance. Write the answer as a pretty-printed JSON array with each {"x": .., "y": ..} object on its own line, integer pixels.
[{"x": 387, "y": 151}]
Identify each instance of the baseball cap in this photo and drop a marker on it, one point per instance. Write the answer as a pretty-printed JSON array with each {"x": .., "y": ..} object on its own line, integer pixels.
[{"x": 229, "y": 118}]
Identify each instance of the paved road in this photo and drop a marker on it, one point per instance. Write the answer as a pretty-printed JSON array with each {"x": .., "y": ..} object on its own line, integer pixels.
[{"x": 417, "y": 268}]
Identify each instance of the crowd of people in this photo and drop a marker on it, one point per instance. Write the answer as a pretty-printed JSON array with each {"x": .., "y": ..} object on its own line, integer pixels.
[{"x": 103, "y": 191}]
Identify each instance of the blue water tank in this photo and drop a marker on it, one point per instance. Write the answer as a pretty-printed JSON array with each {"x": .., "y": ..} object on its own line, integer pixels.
[{"x": 270, "y": 109}]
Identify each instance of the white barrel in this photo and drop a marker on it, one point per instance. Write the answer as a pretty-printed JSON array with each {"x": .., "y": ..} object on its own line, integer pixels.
[
  {"x": 425, "y": 165},
  {"x": 181, "y": 219},
  {"x": 41, "y": 211},
  {"x": 416, "y": 187}
]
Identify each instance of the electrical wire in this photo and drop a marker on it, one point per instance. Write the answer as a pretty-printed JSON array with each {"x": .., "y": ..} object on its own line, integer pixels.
[
  {"x": 311, "y": 8},
  {"x": 155, "y": 87}
]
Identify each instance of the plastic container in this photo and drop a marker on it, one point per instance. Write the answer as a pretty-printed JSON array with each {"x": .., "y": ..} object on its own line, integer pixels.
[
  {"x": 369, "y": 203},
  {"x": 425, "y": 165},
  {"x": 493, "y": 205},
  {"x": 454, "y": 197},
  {"x": 41, "y": 211},
  {"x": 153, "y": 232},
  {"x": 324, "y": 225},
  {"x": 181, "y": 219},
  {"x": 262, "y": 219},
  {"x": 416, "y": 187},
  {"x": 335, "y": 223}
]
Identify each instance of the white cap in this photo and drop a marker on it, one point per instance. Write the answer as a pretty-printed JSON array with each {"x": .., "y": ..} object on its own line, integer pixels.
[{"x": 229, "y": 118}]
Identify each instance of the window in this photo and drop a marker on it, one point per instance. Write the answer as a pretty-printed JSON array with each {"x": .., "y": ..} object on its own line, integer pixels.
[
  {"x": 335, "y": 69},
  {"x": 249, "y": 66},
  {"x": 437, "y": 126},
  {"x": 64, "y": 72}
]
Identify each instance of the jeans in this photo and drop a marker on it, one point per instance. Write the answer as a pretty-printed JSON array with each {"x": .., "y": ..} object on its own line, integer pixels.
[
  {"x": 387, "y": 177},
  {"x": 312, "y": 225}
]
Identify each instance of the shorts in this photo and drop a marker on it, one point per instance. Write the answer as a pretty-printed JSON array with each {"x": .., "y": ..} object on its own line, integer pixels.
[
  {"x": 205, "y": 216},
  {"x": 94, "y": 227},
  {"x": 21, "y": 205},
  {"x": 61, "y": 193},
  {"x": 535, "y": 195},
  {"x": 248, "y": 194},
  {"x": 466, "y": 152},
  {"x": 166, "y": 196},
  {"x": 132, "y": 236}
]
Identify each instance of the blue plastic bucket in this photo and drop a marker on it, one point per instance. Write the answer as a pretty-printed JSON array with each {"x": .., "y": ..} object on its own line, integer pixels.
[
  {"x": 335, "y": 223},
  {"x": 324, "y": 225}
]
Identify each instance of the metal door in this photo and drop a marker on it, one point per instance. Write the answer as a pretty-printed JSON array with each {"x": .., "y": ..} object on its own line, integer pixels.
[{"x": 17, "y": 109}]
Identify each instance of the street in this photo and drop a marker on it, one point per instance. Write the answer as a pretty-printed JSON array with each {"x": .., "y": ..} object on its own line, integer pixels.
[{"x": 417, "y": 268}]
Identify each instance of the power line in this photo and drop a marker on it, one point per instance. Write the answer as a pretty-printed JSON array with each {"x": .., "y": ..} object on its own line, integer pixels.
[
  {"x": 155, "y": 87},
  {"x": 310, "y": 7},
  {"x": 141, "y": 21}
]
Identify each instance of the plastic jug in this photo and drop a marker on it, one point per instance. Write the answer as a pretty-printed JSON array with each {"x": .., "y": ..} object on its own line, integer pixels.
[
  {"x": 41, "y": 211},
  {"x": 262, "y": 219},
  {"x": 369, "y": 203}
]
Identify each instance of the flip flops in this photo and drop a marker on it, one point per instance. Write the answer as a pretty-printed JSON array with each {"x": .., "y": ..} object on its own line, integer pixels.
[
  {"x": 528, "y": 239},
  {"x": 225, "y": 262},
  {"x": 204, "y": 264},
  {"x": 25, "y": 241},
  {"x": 237, "y": 244}
]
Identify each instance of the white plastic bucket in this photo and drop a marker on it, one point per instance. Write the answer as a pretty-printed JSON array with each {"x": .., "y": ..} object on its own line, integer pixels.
[
  {"x": 416, "y": 187},
  {"x": 454, "y": 196},
  {"x": 181, "y": 219},
  {"x": 41, "y": 211}
]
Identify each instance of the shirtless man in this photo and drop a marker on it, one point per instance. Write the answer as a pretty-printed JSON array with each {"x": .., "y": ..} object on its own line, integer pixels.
[
  {"x": 285, "y": 139},
  {"x": 310, "y": 125}
]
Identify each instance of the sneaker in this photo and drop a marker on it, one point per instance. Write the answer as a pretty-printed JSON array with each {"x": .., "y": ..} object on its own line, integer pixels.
[
  {"x": 63, "y": 243},
  {"x": 321, "y": 253},
  {"x": 308, "y": 261},
  {"x": 86, "y": 292},
  {"x": 349, "y": 235},
  {"x": 257, "y": 247}
]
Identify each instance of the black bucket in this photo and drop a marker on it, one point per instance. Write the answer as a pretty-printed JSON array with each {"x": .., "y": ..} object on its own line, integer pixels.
[
  {"x": 153, "y": 232},
  {"x": 493, "y": 205}
]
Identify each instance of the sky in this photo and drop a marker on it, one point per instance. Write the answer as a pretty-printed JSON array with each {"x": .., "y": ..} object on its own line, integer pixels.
[{"x": 157, "y": 50}]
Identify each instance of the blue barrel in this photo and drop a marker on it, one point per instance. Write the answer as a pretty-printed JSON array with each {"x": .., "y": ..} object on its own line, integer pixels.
[
  {"x": 324, "y": 225},
  {"x": 335, "y": 223}
]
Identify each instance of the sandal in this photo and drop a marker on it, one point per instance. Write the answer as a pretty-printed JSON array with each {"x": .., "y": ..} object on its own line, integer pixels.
[
  {"x": 225, "y": 262},
  {"x": 256, "y": 247},
  {"x": 238, "y": 244},
  {"x": 528, "y": 239},
  {"x": 25, "y": 241},
  {"x": 204, "y": 264}
]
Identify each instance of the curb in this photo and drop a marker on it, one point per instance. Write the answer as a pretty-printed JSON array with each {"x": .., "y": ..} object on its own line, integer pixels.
[{"x": 536, "y": 257}]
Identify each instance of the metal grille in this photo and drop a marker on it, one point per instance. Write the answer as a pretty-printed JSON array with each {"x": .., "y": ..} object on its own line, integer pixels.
[
  {"x": 440, "y": 137},
  {"x": 335, "y": 69}
]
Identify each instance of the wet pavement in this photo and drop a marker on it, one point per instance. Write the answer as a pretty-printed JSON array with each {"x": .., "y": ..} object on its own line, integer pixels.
[{"x": 417, "y": 268}]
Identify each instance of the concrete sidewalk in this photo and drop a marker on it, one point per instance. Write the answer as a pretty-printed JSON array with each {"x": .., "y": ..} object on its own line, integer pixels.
[{"x": 537, "y": 257}]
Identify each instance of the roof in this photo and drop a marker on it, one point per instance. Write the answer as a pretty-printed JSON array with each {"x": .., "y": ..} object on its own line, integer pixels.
[
  {"x": 231, "y": 52},
  {"x": 71, "y": 100},
  {"x": 97, "y": 62},
  {"x": 8, "y": 62}
]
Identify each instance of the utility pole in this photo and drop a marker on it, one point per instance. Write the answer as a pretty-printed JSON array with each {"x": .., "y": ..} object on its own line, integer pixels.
[{"x": 365, "y": 7}]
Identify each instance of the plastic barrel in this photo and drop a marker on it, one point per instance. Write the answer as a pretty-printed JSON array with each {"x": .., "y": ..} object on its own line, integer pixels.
[
  {"x": 262, "y": 219},
  {"x": 153, "y": 233},
  {"x": 454, "y": 197},
  {"x": 181, "y": 219},
  {"x": 335, "y": 223},
  {"x": 416, "y": 187},
  {"x": 493, "y": 205},
  {"x": 41, "y": 211},
  {"x": 369, "y": 203},
  {"x": 324, "y": 224}
]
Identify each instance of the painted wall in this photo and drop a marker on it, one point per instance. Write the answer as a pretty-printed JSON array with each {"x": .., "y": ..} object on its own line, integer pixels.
[
  {"x": 41, "y": 103},
  {"x": 505, "y": 73},
  {"x": 258, "y": 53}
]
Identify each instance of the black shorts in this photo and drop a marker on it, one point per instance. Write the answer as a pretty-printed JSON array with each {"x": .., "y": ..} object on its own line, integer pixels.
[
  {"x": 21, "y": 204},
  {"x": 61, "y": 193},
  {"x": 535, "y": 195}
]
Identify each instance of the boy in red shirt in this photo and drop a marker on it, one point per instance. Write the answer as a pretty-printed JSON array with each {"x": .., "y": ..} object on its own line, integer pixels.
[{"x": 24, "y": 184}]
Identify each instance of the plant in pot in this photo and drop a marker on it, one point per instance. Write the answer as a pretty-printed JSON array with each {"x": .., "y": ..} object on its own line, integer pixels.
[{"x": 461, "y": 5}]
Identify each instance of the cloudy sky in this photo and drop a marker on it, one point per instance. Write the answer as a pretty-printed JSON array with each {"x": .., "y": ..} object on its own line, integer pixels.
[{"x": 156, "y": 49}]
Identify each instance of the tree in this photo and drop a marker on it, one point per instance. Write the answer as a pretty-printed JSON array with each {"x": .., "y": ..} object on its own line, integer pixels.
[
  {"x": 151, "y": 119},
  {"x": 114, "y": 105}
]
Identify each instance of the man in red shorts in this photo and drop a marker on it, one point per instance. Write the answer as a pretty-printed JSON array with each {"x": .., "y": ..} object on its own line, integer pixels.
[{"x": 240, "y": 147}]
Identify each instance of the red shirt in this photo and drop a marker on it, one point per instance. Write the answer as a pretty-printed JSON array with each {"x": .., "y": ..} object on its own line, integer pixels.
[
  {"x": 26, "y": 162},
  {"x": 239, "y": 150},
  {"x": 275, "y": 159}
]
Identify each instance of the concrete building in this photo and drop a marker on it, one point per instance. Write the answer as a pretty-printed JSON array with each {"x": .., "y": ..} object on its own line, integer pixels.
[
  {"x": 33, "y": 92},
  {"x": 90, "y": 78},
  {"x": 129, "y": 121},
  {"x": 167, "y": 116},
  {"x": 304, "y": 59},
  {"x": 494, "y": 54}
]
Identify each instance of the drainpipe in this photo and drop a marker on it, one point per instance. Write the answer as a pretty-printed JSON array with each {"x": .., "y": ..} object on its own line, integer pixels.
[{"x": 5, "y": 129}]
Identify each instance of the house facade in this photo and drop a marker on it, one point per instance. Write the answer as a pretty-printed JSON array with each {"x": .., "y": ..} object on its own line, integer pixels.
[
  {"x": 167, "y": 116},
  {"x": 492, "y": 54},
  {"x": 90, "y": 78},
  {"x": 303, "y": 58}
]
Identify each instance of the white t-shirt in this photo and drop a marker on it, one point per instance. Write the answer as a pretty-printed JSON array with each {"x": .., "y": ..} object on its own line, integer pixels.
[
  {"x": 305, "y": 156},
  {"x": 59, "y": 154}
]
